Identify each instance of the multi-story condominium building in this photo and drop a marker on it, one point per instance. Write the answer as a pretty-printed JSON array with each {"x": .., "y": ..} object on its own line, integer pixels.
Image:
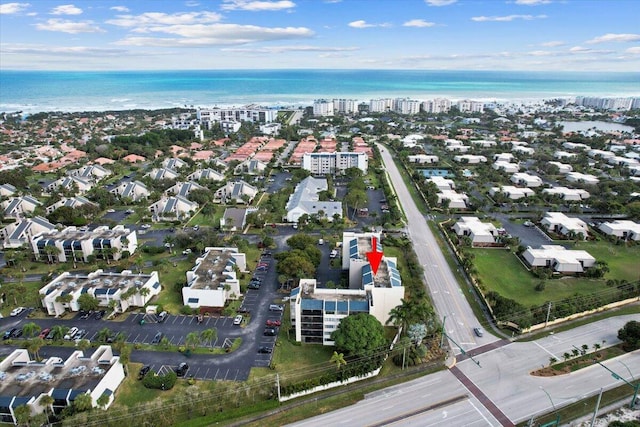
[
  {"x": 436, "y": 106},
  {"x": 63, "y": 377},
  {"x": 213, "y": 279},
  {"x": 324, "y": 163},
  {"x": 406, "y": 106},
  {"x": 467, "y": 106},
  {"x": 127, "y": 289},
  {"x": 322, "y": 108},
  {"x": 345, "y": 106},
  {"x": 381, "y": 105},
  {"x": 317, "y": 312},
  {"x": 208, "y": 117},
  {"x": 72, "y": 244}
]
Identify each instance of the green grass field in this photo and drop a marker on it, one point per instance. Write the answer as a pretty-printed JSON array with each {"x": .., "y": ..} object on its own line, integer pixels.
[{"x": 501, "y": 271}]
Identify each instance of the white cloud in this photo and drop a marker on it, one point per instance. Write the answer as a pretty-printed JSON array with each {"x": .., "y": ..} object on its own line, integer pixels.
[
  {"x": 191, "y": 3},
  {"x": 12, "y": 8},
  {"x": 633, "y": 50},
  {"x": 364, "y": 24},
  {"x": 615, "y": 38},
  {"x": 418, "y": 23},
  {"x": 66, "y": 9},
  {"x": 216, "y": 34},
  {"x": 440, "y": 2},
  {"x": 141, "y": 22},
  {"x": 507, "y": 18},
  {"x": 541, "y": 53},
  {"x": 532, "y": 2},
  {"x": 120, "y": 9},
  {"x": 257, "y": 5},
  {"x": 62, "y": 51},
  {"x": 70, "y": 27},
  {"x": 554, "y": 43},
  {"x": 281, "y": 49}
]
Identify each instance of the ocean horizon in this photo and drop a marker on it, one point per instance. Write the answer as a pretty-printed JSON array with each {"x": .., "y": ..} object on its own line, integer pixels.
[{"x": 74, "y": 91}]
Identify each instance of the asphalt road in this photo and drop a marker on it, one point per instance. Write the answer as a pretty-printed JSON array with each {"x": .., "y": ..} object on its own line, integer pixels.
[{"x": 446, "y": 294}]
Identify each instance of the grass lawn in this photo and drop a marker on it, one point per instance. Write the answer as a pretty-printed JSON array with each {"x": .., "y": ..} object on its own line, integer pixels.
[
  {"x": 208, "y": 220},
  {"x": 513, "y": 281}
]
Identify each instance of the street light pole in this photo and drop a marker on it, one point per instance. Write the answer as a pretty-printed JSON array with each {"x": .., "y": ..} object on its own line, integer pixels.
[
  {"x": 553, "y": 405},
  {"x": 618, "y": 377}
]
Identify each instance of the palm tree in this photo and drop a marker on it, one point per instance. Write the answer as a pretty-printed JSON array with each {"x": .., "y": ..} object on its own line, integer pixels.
[
  {"x": 51, "y": 252},
  {"x": 83, "y": 402},
  {"x": 46, "y": 401},
  {"x": 125, "y": 356},
  {"x": 192, "y": 339},
  {"x": 30, "y": 330},
  {"x": 84, "y": 344},
  {"x": 58, "y": 332},
  {"x": 102, "y": 401},
  {"x": 34, "y": 345},
  {"x": 209, "y": 335},
  {"x": 22, "y": 414},
  {"x": 338, "y": 359},
  {"x": 103, "y": 334},
  {"x": 144, "y": 292}
]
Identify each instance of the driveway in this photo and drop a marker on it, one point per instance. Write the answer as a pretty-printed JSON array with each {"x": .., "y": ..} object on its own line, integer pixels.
[{"x": 529, "y": 236}]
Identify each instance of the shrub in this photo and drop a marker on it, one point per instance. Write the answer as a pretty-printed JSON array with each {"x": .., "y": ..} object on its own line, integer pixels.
[
  {"x": 160, "y": 382},
  {"x": 186, "y": 310}
]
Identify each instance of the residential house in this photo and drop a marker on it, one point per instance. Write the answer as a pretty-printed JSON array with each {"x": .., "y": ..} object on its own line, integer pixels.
[
  {"x": 568, "y": 194},
  {"x": 622, "y": 229},
  {"x": 206, "y": 175},
  {"x": 480, "y": 233},
  {"x": 20, "y": 233},
  {"x": 71, "y": 183},
  {"x": 559, "y": 259},
  {"x": 456, "y": 200},
  {"x": 442, "y": 183},
  {"x": 163, "y": 173},
  {"x": 526, "y": 180},
  {"x": 213, "y": 280},
  {"x": 236, "y": 192},
  {"x": 172, "y": 208},
  {"x": 134, "y": 190},
  {"x": 559, "y": 223},
  {"x": 235, "y": 219},
  {"x": 71, "y": 202},
  {"x": 470, "y": 159},
  {"x": 422, "y": 159},
  {"x": 184, "y": 188},
  {"x": 17, "y": 207},
  {"x": 90, "y": 172},
  {"x": 7, "y": 190},
  {"x": 582, "y": 178},
  {"x": 506, "y": 166},
  {"x": 250, "y": 167},
  {"x": 174, "y": 163},
  {"x": 127, "y": 289},
  {"x": 513, "y": 193},
  {"x": 305, "y": 200},
  {"x": 563, "y": 168}
]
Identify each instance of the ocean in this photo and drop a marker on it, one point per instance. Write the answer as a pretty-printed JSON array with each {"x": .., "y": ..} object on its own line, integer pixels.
[{"x": 36, "y": 91}]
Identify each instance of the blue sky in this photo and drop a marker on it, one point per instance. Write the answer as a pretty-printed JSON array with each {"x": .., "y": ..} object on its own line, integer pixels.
[{"x": 558, "y": 35}]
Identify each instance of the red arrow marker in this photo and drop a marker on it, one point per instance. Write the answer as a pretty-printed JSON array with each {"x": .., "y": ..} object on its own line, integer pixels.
[{"x": 374, "y": 256}]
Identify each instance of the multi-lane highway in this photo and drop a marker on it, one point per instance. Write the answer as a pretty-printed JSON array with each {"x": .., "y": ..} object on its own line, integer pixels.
[{"x": 447, "y": 297}]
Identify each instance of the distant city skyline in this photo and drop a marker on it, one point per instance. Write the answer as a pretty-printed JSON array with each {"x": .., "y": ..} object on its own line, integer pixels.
[{"x": 535, "y": 35}]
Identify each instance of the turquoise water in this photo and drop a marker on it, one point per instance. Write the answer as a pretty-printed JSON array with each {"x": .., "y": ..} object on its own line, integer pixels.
[
  {"x": 435, "y": 172},
  {"x": 81, "y": 91}
]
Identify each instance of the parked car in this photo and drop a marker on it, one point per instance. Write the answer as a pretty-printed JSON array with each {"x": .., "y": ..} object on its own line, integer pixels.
[
  {"x": 85, "y": 314},
  {"x": 262, "y": 268},
  {"x": 478, "y": 331},
  {"x": 143, "y": 371},
  {"x": 264, "y": 349},
  {"x": 272, "y": 322},
  {"x": 238, "y": 319},
  {"x": 254, "y": 285},
  {"x": 17, "y": 311},
  {"x": 99, "y": 314},
  {"x": 17, "y": 333},
  {"x": 44, "y": 333},
  {"x": 186, "y": 251},
  {"x": 276, "y": 307},
  {"x": 8, "y": 334},
  {"x": 333, "y": 254},
  {"x": 270, "y": 332},
  {"x": 80, "y": 334},
  {"x": 162, "y": 316},
  {"x": 71, "y": 333},
  {"x": 50, "y": 335},
  {"x": 157, "y": 338},
  {"x": 182, "y": 369}
]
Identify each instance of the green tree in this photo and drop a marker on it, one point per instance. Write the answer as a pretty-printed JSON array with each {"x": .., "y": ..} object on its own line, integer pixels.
[
  {"x": 192, "y": 339},
  {"x": 34, "y": 345},
  {"x": 23, "y": 414},
  {"x": 338, "y": 359},
  {"x": 46, "y": 401},
  {"x": 30, "y": 330},
  {"x": 58, "y": 332},
  {"x": 359, "y": 335},
  {"x": 88, "y": 302},
  {"x": 103, "y": 334},
  {"x": 209, "y": 335},
  {"x": 630, "y": 335},
  {"x": 103, "y": 401},
  {"x": 83, "y": 402}
]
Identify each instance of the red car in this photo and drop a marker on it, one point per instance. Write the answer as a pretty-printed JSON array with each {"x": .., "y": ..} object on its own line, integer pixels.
[
  {"x": 273, "y": 323},
  {"x": 44, "y": 333}
]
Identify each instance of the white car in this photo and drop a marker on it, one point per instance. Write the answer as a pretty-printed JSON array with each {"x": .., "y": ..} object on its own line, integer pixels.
[
  {"x": 237, "y": 320},
  {"x": 72, "y": 333},
  {"x": 111, "y": 210},
  {"x": 145, "y": 226},
  {"x": 16, "y": 311}
]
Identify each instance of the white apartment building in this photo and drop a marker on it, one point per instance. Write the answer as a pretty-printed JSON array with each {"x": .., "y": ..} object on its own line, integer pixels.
[
  {"x": 558, "y": 222},
  {"x": 331, "y": 163},
  {"x": 467, "y": 106},
  {"x": 208, "y": 117},
  {"x": 26, "y": 381},
  {"x": 622, "y": 229},
  {"x": 20, "y": 233},
  {"x": 559, "y": 259},
  {"x": 381, "y": 105},
  {"x": 345, "y": 106},
  {"x": 582, "y": 178},
  {"x": 513, "y": 193},
  {"x": 526, "y": 180},
  {"x": 406, "y": 106},
  {"x": 75, "y": 245},
  {"x": 213, "y": 279},
  {"x": 480, "y": 233},
  {"x": 127, "y": 289},
  {"x": 568, "y": 194},
  {"x": 323, "y": 108},
  {"x": 563, "y": 168},
  {"x": 436, "y": 106},
  {"x": 306, "y": 201}
]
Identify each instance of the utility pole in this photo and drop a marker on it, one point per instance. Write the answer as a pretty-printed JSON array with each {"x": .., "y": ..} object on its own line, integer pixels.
[
  {"x": 278, "y": 385},
  {"x": 548, "y": 313},
  {"x": 444, "y": 319}
]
